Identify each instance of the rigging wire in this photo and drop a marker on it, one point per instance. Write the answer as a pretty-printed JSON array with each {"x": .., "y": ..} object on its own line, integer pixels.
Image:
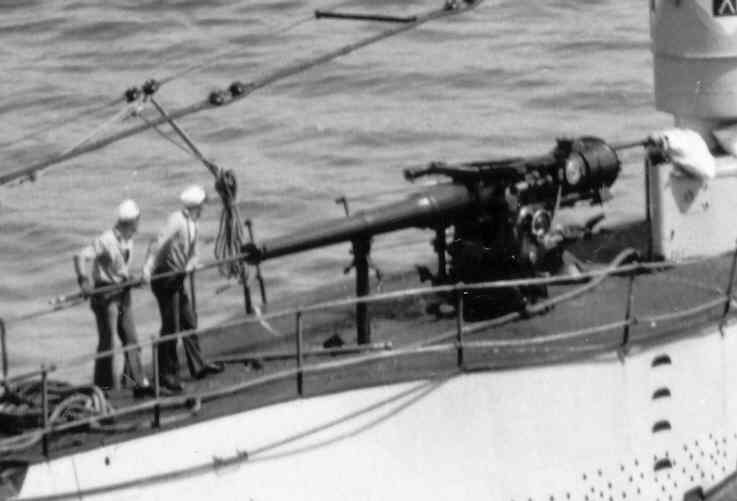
[
  {"x": 230, "y": 238},
  {"x": 168, "y": 137},
  {"x": 60, "y": 123},
  {"x": 122, "y": 114},
  {"x": 213, "y": 60},
  {"x": 238, "y": 91},
  {"x": 125, "y": 112}
]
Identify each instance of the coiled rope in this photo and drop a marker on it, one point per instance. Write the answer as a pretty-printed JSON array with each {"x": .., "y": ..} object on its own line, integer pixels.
[
  {"x": 229, "y": 240},
  {"x": 21, "y": 409}
]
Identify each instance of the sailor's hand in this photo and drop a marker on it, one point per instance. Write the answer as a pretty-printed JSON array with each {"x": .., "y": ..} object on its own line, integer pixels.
[
  {"x": 85, "y": 286},
  {"x": 191, "y": 266},
  {"x": 146, "y": 277},
  {"x": 658, "y": 140},
  {"x": 251, "y": 253}
]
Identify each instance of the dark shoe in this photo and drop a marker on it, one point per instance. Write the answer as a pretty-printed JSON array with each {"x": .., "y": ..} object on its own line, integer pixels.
[
  {"x": 211, "y": 368},
  {"x": 143, "y": 391},
  {"x": 171, "y": 384}
]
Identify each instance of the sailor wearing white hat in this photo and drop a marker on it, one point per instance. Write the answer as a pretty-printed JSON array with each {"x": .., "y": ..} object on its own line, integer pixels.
[
  {"x": 110, "y": 254},
  {"x": 176, "y": 249},
  {"x": 193, "y": 196}
]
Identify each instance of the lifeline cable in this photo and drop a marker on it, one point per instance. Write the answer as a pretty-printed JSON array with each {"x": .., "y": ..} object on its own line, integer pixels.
[
  {"x": 238, "y": 91},
  {"x": 73, "y": 299},
  {"x": 615, "y": 268}
]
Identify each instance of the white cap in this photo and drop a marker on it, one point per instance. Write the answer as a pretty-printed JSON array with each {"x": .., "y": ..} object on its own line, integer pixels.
[
  {"x": 128, "y": 211},
  {"x": 193, "y": 196}
]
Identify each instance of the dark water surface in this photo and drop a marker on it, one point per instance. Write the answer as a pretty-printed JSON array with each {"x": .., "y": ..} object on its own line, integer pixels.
[{"x": 504, "y": 79}]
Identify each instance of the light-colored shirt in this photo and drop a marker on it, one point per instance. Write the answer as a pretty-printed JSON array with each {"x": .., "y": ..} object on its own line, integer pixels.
[
  {"x": 110, "y": 254},
  {"x": 176, "y": 245}
]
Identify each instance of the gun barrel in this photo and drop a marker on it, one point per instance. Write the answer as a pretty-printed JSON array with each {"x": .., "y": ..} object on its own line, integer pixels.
[
  {"x": 435, "y": 206},
  {"x": 576, "y": 170}
]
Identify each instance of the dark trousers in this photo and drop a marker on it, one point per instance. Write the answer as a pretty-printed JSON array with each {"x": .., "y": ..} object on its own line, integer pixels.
[
  {"x": 113, "y": 310},
  {"x": 176, "y": 315}
]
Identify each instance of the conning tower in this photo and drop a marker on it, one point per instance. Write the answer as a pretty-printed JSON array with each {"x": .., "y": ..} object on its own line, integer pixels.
[{"x": 694, "y": 44}]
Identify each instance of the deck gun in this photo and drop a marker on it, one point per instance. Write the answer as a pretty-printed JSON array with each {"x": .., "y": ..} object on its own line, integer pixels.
[
  {"x": 512, "y": 233},
  {"x": 502, "y": 213}
]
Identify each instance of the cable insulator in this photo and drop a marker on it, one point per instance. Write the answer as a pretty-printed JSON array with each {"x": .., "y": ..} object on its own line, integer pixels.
[
  {"x": 150, "y": 86},
  {"x": 237, "y": 89},
  {"x": 132, "y": 94},
  {"x": 217, "y": 98}
]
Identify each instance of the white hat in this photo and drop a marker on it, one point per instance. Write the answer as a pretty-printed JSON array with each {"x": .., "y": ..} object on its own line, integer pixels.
[
  {"x": 128, "y": 211},
  {"x": 193, "y": 196}
]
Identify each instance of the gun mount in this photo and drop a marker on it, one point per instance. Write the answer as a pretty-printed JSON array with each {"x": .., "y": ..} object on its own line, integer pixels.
[{"x": 502, "y": 212}]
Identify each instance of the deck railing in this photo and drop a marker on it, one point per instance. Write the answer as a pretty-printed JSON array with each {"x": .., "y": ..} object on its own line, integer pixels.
[{"x": 453, "y": 339}]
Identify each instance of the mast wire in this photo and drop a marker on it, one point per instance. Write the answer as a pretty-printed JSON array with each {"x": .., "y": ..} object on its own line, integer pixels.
[
  {"x": 224, "y": 98},
  {"x": 61, "y": 122}
]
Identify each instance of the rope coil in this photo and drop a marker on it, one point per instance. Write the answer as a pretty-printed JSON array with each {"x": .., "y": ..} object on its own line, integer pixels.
[
  {"x": 21, "y": 409},
  {"x": 229, "y": 240}
]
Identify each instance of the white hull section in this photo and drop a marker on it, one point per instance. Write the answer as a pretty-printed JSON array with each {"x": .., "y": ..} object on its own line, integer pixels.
[{"x": 584, "y": 431}]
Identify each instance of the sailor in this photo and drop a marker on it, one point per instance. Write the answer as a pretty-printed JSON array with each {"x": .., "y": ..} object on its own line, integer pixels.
[
  {"x": 110, "y": 254},
  {"x": 176, "y": 250}
]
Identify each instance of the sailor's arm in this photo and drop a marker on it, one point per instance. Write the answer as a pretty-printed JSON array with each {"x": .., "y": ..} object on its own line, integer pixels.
[
  {"x": 148, "y": 262},
  {"x": 163, "y": 239},
  {"x": 81, "y": 265},
  {"x": 194, "y": 259}
]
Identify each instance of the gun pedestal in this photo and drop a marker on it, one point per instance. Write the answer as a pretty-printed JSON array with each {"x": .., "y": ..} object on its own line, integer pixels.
[
  {"x": 361, "y": 250},
  {"x": 440, "y": 247}
]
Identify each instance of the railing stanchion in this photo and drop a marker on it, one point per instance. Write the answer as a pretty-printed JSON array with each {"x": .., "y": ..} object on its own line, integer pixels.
[
  {"x": 361, "y": 250},
  {"x": 45, "y": 411},
  {"x": 459, "y": 325},
  {"x": 259, "y": 277},
  {"x": 441, "y": 248},
  {"x": 157, "y": 383},
  {"x": 300, "y": 375},
  {"x": 730, "y": 288},
  {"x": 4, "y": 348},
  {"x": 247, "y": 301},
  {"x": 624, "y": 347},
  {"x": 648, "y": 209}
]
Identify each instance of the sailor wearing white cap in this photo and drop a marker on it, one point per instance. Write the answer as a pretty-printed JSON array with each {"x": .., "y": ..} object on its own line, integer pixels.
[
  {"x": 110, "y": 254},
  {"x": 176, "y": 249}
]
